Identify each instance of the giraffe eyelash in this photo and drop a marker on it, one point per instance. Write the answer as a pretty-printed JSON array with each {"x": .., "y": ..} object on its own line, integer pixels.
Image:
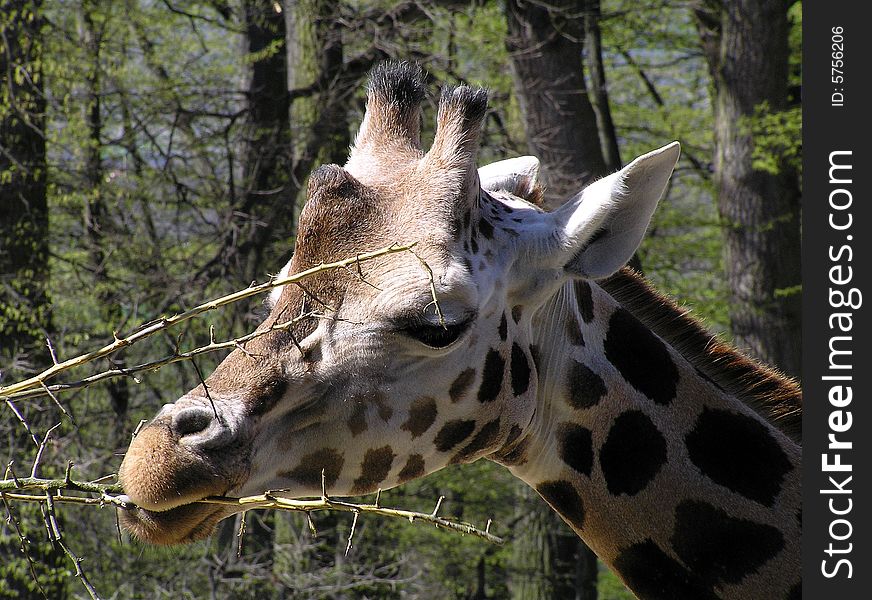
[
  {"x": 433, "y": 333},
  {"x": 436, "y": 335}
]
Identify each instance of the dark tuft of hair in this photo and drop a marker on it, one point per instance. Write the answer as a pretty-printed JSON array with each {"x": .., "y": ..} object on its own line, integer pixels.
[
  {"x": 467, "y": 101},
  {"x": 400, "y": 84}
]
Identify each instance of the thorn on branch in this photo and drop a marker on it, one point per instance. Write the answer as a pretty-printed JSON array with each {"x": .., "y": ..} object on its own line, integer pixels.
[
  {"x": 313, "y": 296},
  {"x": 351, "y": 533},
  {"x": 136, "y": 430},
  {"x": 311, "y": 524},
  {"x": 41, "y": 449},
  {"x": 242, "y": 349},
  {"x": 51, "y": 351},
  {"x": 118, "y": 528},
  {"x": 432, "y": 282},
  {"x": 240, "y": 535},
  {"x": 438, "y": 504},
  {"x": 324, "y": 485},
  {"x": 362, "y": 279},
  {"x": 11, "y": 473}
]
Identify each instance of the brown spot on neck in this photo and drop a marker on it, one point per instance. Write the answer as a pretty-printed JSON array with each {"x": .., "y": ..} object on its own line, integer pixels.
[
  {"x": 777, "y": 398},
  {"x": 308, "y": 471}
]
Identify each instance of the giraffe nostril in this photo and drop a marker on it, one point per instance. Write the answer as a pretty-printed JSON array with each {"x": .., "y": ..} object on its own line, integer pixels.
[{"x": 192, "y": 420}]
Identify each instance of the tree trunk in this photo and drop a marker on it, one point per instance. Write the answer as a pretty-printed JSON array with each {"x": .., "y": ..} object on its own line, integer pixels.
[
  {"x": 548, "y": 560},
  {"x": 599, "y": 96},
  {"x": 546, "y": 45},
  {"x": 301, "y": 43},
  {"x": 25, "y": 310},
  {"x": 269, "y": 190},
  {"x": 746, "y": 46}
]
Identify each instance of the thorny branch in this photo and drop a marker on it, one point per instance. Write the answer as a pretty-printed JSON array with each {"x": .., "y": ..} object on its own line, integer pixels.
[
  {"x": 154, "y": 365},
  {"x": 32, "y": 489},
  {"x": 37, "y": 386}
]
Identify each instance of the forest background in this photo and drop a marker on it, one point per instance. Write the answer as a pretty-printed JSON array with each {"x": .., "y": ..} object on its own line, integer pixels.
[{"x": 152, "y": 156}]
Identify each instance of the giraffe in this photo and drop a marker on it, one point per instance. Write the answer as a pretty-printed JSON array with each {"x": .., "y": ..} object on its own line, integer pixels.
[{"x": 673, "y": 456}]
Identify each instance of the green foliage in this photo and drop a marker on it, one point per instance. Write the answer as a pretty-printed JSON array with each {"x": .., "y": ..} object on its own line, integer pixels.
[
  {"x": 49, "y": 564},
  {"x": 610, "y": 587},
  {"x": 794, "y": 14},
  {"x": 777, "y": 138}
]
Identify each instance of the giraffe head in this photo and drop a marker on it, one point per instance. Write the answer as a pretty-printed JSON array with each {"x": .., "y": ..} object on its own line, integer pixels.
[{"x": 378, "y": 384}]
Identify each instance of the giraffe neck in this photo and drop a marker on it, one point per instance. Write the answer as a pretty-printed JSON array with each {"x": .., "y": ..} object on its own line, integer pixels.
[{"x": 680, "y": 487}]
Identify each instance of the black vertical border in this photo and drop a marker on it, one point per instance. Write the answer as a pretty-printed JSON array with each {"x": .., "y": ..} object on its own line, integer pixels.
[{"x": 826, "y": 129}]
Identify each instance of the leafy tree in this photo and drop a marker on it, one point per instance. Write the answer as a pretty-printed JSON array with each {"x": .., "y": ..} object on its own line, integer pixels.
[{"x": 29, "y": 566}]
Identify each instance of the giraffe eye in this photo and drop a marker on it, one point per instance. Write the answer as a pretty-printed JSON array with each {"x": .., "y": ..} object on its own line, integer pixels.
[{"x": 435, "y": 335}]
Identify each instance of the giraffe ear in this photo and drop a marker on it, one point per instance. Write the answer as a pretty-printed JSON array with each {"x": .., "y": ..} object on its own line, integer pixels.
[
  {"x": 515, "y": 175},
  {"x": 602, "y": 226}
]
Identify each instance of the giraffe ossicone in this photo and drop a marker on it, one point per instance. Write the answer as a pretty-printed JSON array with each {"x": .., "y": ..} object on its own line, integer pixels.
[{"x": 673, "y": 456}]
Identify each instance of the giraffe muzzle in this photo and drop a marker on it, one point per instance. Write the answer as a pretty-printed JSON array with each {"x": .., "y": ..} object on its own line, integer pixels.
[{"x": 189, "y": 451}]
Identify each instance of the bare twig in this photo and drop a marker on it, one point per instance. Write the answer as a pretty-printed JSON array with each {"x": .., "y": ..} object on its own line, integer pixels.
[
  {"x": 10, "y": 518},
  {"x": 23, "y": 422},
  {"x": 38, "y": 387},
  {"x": 57, "y": 402},
  {"x": 54, "y": 485},
  {"x": 149, "y": 329},
  {"x": 56, "y": 537},
  {"x": 206, "y": 390},
  {"x": 435, "y": 302},
  {"x": 154, "y": 365},
  {"x": 272, "y": 501}
]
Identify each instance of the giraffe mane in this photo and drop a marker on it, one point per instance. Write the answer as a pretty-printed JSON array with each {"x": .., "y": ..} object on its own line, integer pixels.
[{"x": 773, "y": 395}]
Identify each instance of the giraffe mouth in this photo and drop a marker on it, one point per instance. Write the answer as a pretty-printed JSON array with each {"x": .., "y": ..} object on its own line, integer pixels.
[
  {"x": 165, "y": 476},
  {"x": 180, "y": 525}
]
